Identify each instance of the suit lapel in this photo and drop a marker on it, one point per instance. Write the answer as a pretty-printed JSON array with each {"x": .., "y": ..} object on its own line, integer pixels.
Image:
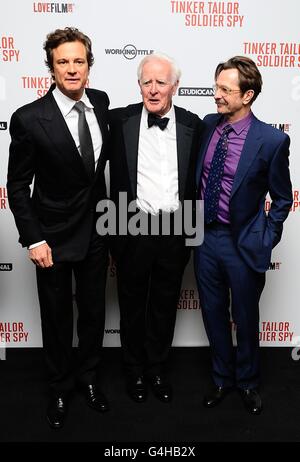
[
  {"x": 184, "y": 137},
  {"x": 131, "y": 130},
  {"x": 102, "y": 122},
  {"x": 53, "y": 123},
  {"x": 250, "y": 150},
  {"x": 204, "y": 146}
]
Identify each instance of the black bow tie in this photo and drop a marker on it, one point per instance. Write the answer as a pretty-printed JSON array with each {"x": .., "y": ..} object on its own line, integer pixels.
[{"x": 154, "y": 119}]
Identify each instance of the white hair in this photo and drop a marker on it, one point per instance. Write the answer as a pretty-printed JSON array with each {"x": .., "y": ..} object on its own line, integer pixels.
[{"x": 176, "y": 72}]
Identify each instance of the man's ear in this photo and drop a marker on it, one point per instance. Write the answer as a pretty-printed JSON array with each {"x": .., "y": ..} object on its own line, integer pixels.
[{"x": 248, "y": 95}]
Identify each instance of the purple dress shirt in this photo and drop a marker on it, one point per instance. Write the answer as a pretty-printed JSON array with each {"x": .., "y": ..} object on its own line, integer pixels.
[{"x": 236, "y": 140}]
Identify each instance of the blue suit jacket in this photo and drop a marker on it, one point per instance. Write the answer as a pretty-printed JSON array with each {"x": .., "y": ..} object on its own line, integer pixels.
[{"x": 263, "y": 167}]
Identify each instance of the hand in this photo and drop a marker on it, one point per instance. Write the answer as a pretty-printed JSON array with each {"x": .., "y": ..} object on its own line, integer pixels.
[{"x": 41, "y": 256}]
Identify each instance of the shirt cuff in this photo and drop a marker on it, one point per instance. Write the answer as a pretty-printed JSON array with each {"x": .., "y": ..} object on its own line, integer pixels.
[{"x": 32, "y": 246}]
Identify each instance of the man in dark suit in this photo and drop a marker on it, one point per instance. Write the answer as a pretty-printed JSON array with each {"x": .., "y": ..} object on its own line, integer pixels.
[
  {"x": 152, "y": 161},
  {"x": 241, "y": 160},
  {"x": 62, "y": 147}
]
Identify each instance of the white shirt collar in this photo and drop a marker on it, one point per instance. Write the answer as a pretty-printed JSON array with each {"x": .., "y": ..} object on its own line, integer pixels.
[
  {"x": 170, "y": 114},
  {"x": 66, "y": 104}
]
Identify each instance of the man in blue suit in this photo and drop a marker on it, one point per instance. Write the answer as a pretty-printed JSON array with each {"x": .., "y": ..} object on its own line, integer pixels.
[{"x": 241, "y": 160}]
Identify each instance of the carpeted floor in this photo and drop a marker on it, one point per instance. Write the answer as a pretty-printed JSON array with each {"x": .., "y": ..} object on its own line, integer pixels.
[{"x": 23, "y": 401}]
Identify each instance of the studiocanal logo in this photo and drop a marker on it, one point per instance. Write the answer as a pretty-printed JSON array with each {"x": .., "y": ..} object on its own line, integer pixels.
[
  {"x": 128, "y": 51},
  {"x": 195, "y": 91}
]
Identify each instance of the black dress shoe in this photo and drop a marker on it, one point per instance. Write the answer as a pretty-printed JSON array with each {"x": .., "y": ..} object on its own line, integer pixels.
[
  {"x": 137, "y": 389},
  {"x": 161, "y": 388},
  {"x": 95, "y": 398},
  {"x": 57, "y": 411},
  {"x": 215, "y": 396},
  {"x": 251, "y": 400}
]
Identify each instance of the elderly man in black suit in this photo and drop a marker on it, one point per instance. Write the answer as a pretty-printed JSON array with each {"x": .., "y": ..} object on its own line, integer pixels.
[
  {"x": 60, "y": 142},
  {"x": 152, "y": 160}
]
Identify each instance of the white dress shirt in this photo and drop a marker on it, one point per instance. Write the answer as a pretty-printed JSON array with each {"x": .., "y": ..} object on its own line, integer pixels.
[
  {"x": 71, "y": 115},
  {"x": 157, "y": 171}
]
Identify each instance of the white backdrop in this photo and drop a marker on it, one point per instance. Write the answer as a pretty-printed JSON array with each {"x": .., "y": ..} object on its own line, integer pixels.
[{"x": 198, "y": 35}]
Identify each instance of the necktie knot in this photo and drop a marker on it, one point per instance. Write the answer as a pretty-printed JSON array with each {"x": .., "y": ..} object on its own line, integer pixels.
[
  {"x": 226, "y": 130},
  {"x": 154, "y": 119},
  {"x": 79, "y": 106}
]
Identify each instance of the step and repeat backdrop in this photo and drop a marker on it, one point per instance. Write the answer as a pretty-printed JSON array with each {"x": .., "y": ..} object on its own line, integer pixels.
[{"x": 198, "y": 34}]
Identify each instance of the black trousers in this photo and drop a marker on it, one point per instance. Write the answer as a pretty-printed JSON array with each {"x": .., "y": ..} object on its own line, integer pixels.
[
  {"x": 149, "y": 274},
  {"x": 56, "y": 304}
]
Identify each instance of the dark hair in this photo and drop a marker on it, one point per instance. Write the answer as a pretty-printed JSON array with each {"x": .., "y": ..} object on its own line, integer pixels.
[
  {"x": 68, "y": 34},
  {"x": 249, "y": 76}
]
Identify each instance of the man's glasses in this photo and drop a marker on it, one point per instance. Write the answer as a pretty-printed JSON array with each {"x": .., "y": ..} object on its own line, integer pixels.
[{"x": 224, "y": 90}]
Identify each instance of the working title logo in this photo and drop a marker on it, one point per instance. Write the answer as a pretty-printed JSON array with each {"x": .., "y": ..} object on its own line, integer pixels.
[
  {"x": 272, "y": 54},
  {"x": 195, "y": 91},
  {"x": 8, "y": 51},
  {"x": 128, "y": 51},
  {"x": 209, "y": 14},
  {"x": 46, "y": 7},
  {"x": 3, "y": 125}
]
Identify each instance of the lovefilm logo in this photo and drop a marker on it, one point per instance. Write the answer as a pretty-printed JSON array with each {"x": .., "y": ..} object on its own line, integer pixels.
[
  {"x": 3, "y": 125},
  {"x": 128, "y": 51},
  {"x": 283, "y": 127},
  {"x": 50, "y": 7},
  {"x": 195, "y": 91},
  {"x": 6, "y": 266}
]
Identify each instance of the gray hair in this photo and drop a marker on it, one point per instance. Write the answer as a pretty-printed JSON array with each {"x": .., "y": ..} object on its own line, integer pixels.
[{"x": 176, "y": 72}]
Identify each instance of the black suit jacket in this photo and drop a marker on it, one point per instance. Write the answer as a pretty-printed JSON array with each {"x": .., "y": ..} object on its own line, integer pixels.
[
  {"x": 61, "y": 208},
  {"x": 123, "y": 153}
]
